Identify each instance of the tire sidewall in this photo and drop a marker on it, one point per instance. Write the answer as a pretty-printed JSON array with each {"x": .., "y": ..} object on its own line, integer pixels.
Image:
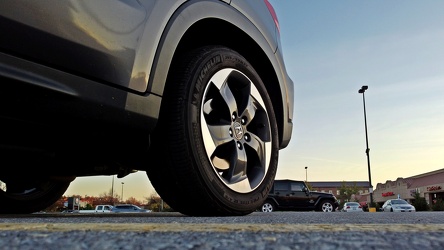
[
  {"x": 35, "y": 200},
  {"x": 211, "y": 63}
]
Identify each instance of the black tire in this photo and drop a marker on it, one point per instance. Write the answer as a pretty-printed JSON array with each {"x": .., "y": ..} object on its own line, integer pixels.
[
  {"x": 29, "y": 197},
  {"x": 216, "y": 147},
  {"x": 268, "y": 207},
  {"x": 326, "y": 206}
]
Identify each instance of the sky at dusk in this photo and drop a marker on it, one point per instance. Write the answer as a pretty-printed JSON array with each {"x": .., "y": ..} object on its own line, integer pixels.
[{"x": 331, "y": 49}]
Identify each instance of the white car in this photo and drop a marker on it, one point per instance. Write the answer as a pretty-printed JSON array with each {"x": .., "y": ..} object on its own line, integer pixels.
[
  {"x": 352, "y": 207},
  {"x": 397, "y": 205}
]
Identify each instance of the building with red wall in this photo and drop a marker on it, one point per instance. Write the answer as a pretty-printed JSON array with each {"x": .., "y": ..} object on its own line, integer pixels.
[{"x": 429, "y": 185}]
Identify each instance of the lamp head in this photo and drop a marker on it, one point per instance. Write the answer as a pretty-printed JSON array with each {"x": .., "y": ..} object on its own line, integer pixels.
[{"x": 363, "y": 89}]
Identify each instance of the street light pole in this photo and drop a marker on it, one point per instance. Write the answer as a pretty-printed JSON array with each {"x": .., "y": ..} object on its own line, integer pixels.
[
  {"x": 112, "y": 191},
  {"x": 367, "y": 151},
  {"x": 122, "y": 191},
  {"x": 306, "y": 174}
]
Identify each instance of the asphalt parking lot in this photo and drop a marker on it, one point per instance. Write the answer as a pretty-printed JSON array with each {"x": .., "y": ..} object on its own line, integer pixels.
[{"x": 277, "y": 230}]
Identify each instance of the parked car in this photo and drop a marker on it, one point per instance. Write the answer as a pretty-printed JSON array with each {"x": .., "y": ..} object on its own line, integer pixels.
[
  {"x": 195, "y": 93},
  {"x": 352, "y": 206},
  {"x": 128, "y": 208},
  {"x": 296, "y": 196},
  {"x": 97, "y": 209},
  {"x": 397, "y": 205},
  {"x": 70, "y": 211}
]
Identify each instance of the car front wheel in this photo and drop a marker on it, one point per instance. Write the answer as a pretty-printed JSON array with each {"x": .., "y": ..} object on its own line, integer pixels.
[
  {"x": 216, "y": 144},
  {"x": 327, "y": 206},
  {"x": 267, "y": 207}
]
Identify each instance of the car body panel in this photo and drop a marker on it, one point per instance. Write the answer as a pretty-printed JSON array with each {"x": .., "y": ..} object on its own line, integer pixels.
[
  {"x": 86, "y": 31},
  {"x": 119, "y": 54}
]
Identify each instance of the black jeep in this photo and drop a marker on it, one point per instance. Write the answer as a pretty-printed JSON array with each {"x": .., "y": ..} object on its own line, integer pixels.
[{"x": 296, "y": 196}]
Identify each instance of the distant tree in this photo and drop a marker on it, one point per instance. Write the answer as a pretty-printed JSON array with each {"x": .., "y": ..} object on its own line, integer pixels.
[
  {"x": 346, "y": 192},
  {"x": 88, "y": 207},
  {"x": 438, "y": 205},
  {"x": 155, "y": 203},
  {"x": 107, "y": 198},
  {"x": 420, "y": 203},
  {"x": 134, "y": 201}
]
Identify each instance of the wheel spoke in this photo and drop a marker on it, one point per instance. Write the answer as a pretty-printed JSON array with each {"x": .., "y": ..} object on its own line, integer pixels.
[
  {"x": 220, "y": 82},
  {"x": 220, "y": 134},
  {"x": 228, "y": 97},
  {"x": 250, "y": 110},
  {"x": 238, "y": 167},
  {"x": 215, "y": 108},
  {"x": 259, "y": 147},
  {"x": 215, "y": 125}
]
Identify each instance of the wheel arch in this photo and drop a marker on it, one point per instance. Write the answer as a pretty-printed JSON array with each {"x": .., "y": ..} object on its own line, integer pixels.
[
  {"x": 197, "y": 24},
  {"x": 272, "y": 201}
]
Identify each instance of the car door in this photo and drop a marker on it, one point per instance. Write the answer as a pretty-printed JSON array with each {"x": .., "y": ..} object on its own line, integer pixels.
[
  {"x": 300, "y": 198},
  {"x": 282, "y": 193}
]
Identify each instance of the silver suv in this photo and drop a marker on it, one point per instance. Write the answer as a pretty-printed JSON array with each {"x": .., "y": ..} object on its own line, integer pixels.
[
  {"x": 193, "y": 92},
  {"x": 128, "y": 208}
]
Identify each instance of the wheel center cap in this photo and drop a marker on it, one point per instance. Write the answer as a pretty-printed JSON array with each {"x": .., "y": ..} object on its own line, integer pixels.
[{"x": 238, "y": 130}]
